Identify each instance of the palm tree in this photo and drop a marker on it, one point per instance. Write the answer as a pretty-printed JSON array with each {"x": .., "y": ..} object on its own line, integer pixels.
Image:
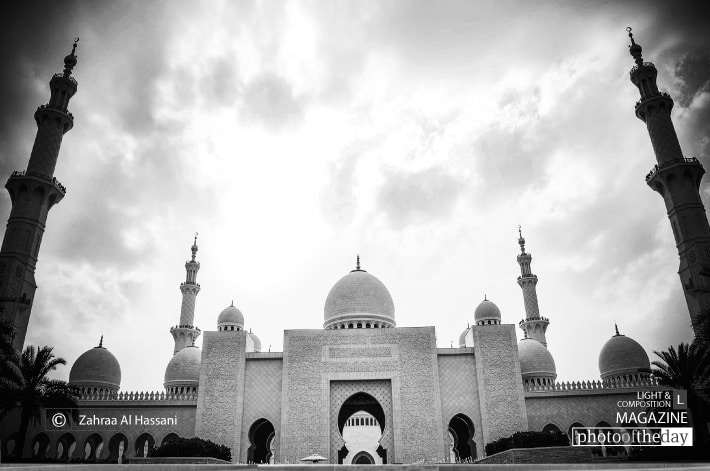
[
  {"x": 31, "y": 392},
  {"x": 688, "y": 368}
]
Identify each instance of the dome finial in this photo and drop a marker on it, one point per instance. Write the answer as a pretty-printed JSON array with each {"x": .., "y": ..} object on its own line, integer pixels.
[
  {"x": 101, "y": 341},
  {"x": 521, "y": 240},
  {"x": 70, "y": 60},
  {"x": 634, "y": 49},
  {"x": 357, "y": 265},
  {"x": 616, "y": 327},
  {"x": 485, "y": 298},
  {"x": 232, "y": 305},
  {"x": 526, "y": 334}
]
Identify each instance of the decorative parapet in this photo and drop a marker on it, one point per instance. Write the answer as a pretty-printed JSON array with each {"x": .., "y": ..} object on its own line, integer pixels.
[
  {"x": 645, "y": 64},
  {"x": 185, "y": 326},
  {"x": 651, "y": 97},
  {"x": 540, "y": 318},
  {"x": 668, "y": 163},
  {"x": 612, "y": 384},
  {"x": 40, "y": 176},
  {"x": 63, "y": 75},
  {"x": 49, "y": 106},
  {"x": 138, "y": 396}
]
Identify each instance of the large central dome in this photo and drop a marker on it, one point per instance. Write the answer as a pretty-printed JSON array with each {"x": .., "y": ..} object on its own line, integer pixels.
[{"x": 358, "y": 300}]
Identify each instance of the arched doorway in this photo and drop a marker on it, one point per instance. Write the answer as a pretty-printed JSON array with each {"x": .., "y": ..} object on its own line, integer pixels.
[
  {"x": 363, "y": 457},
  {"x": 40, "y": 443},
  {"x": 144, "y": 444},
  {"x": 261, "y": 436},
  {"x": 93, "y": 445},
  {"x": 571, "y": 434},
  {"x": 371, "y": 417},
  {"x": 65, "y": 447},
  {"x": 361, "y": 434},
  {"x": 551, "y": 428},
  {"x": 117, "y": 447},
  {"x": 169, "y": 437},
  {"x": 462, "y": 431}
]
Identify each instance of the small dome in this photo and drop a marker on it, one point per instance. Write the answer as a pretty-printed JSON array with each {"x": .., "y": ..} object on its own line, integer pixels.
[
  {"x": 230, "y": 316},
  {"x": 462, "y": 337},
  {"x": 184, "y": 368},
  {"x": 257, "y": 342},
  {"x": 96, "y": 368},
  {"x": 623, "y": 356},
  {"x": 359, "y": 297},
  {"x": 485, "y": 312},
  {"x": 535, "y": 360}
]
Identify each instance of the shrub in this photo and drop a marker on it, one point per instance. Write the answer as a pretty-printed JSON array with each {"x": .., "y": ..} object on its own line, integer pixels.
[
  {"x": 527, "y": 440},
  {"x": 192, "y": 447}
]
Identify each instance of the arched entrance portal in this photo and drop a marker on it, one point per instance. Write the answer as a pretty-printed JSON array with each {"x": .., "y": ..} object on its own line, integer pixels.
[
  {"x": 363, "y": 458},
  {"x": 261, "y": 435},
  {"x": 362, "y": 412},
  {"x": 462, "y": 431}
]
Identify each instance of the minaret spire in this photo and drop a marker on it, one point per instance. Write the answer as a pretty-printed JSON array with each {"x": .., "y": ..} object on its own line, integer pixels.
[
  {"x": 677, "y": 179},
  {"x": 186, "y": 332},
  {"x": 33, "y": 193},
  {"x": 533, "y": 325}
]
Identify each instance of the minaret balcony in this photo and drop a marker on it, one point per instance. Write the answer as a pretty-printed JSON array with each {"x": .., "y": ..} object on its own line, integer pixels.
[
  {"x": 185, "y": 327},
  {"x": 529, "y": 319},
  {"x": 22, "y": 175},
  {"x": 65, "y": 76},
  {"x": 693, "y": 161}
]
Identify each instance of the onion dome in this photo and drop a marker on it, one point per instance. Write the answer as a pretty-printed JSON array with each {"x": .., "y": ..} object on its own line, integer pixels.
[
  {"x": 255, "y": 340},
  {"x": 96, "y": 370},
  {"x": 536, "y": 362},
  {"x": 358, "y": 300},
  {"x": 487, "y": 313},
  {"x": 462, "y": 337},
  {"x": 623, "y": 359},
  {"x": 183, "y": 370},
  {"x": 230, "y": 318}
]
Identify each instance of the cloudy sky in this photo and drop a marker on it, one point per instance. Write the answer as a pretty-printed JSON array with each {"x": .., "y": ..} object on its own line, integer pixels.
[{"x": 293, "y": 135}]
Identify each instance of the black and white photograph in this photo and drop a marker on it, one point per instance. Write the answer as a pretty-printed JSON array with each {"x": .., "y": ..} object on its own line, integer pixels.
[{"x": 355, "y": 232}]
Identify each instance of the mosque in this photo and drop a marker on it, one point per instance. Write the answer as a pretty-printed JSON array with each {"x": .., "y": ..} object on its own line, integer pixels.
[{"x": 359, "y": 390}]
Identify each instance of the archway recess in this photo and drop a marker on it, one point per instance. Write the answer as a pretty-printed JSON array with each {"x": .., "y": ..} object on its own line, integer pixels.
[
  {"x": 261, "y": 436},
  {"x": 365, "y": 418},
  {"x": 462, "y": 430}
]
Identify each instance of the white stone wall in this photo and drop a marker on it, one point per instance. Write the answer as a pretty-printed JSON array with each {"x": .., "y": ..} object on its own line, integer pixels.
[
  {"x": 404, "y": 356},
  {"x": 262, "y": 397},
  {"x": 459, "y": 392},
  {"x": 221, "y": 394},
  {"x": 500, "y": 386}
]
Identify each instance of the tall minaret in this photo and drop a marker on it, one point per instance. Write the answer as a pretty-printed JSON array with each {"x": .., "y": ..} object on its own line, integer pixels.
[
  {"x": 677, "y": 179},
  {"x": 186, "y": 333},
  {"x": 533, "y": 325},
  {"x": 33, "y": 193}
]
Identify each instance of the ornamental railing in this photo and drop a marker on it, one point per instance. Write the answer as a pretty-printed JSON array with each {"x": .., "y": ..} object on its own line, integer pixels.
[
  {"x": 614, "y": 383},
  {"x": 653, "y": 95},
  {"x": 61, "y": 75},
  {"x": 41, "y": 176},
  {"x": 539, "y": 318},
  {"x": 155, "y": 396},
  {"x": 645, "y": 64},
  {"x": 668, "y": 163},
  {"x": 186, "y": 326},
  {"x": 49, "y": 106}
]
